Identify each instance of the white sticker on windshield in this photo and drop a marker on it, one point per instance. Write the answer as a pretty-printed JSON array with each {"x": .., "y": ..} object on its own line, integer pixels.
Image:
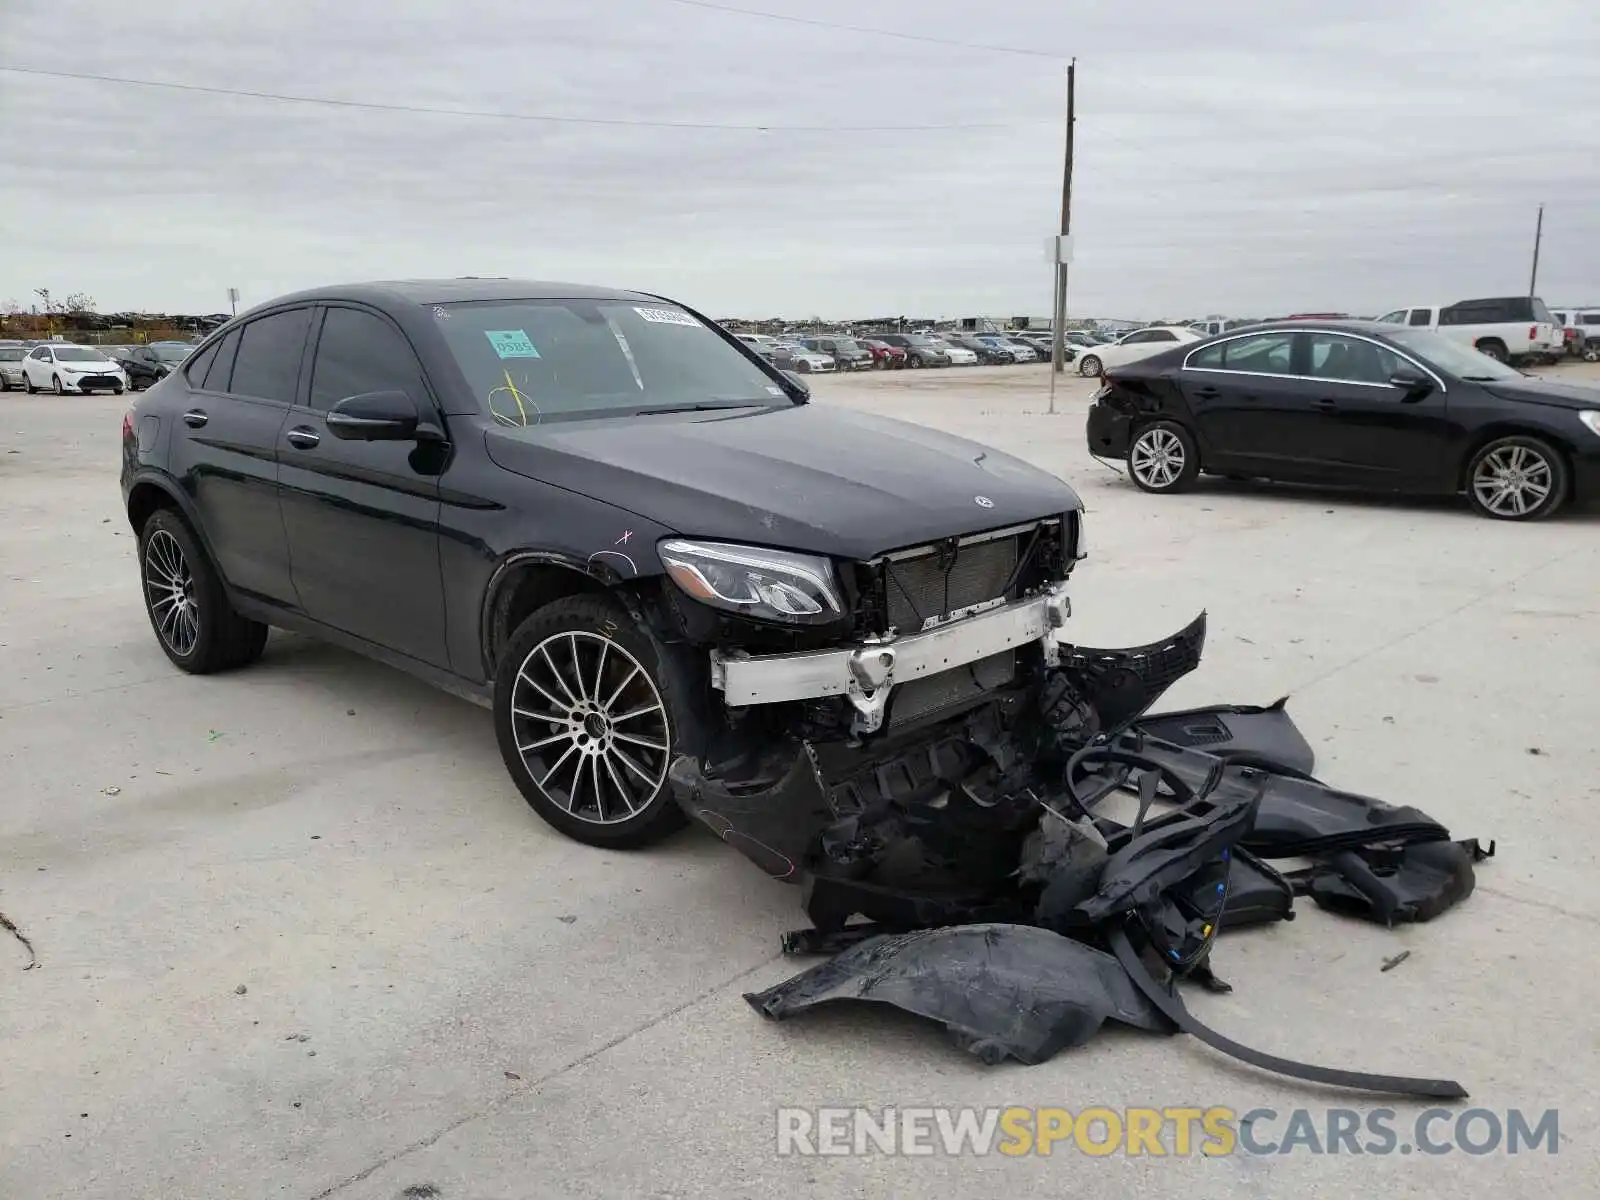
[
  {"x": 667, "y": 316},
  {"x": 774, "y": 391}
]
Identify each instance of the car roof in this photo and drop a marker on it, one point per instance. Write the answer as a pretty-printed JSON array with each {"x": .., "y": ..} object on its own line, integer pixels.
[
  {"x": 423, "y": 292},
  {"x": 1350, "y": 326}
]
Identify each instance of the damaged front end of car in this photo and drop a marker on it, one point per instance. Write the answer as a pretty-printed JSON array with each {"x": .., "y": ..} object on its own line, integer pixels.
[{"x": 943, "y": 800}]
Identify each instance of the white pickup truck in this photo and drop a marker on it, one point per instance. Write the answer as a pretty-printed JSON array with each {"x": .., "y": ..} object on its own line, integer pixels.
[{"x": 1505, "y": 328}]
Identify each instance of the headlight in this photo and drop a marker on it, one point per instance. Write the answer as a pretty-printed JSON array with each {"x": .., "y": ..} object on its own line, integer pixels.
[
  {"x": 768, "y": 585},
  {"x": 1591, "y": 419}
]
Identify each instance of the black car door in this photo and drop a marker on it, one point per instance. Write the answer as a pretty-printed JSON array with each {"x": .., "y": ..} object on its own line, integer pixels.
[
  {"x": 363, "y": 516},
  {"x": 1250, "y": 411},
  {"x": 1373, "y": 433},
  {"x": 225, "y": 449}
]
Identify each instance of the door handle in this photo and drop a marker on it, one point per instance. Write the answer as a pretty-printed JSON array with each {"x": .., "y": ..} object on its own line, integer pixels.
[
  {"x": 302, "y": 438},
  {"x": 194, "y": 418},
  {"x": 1207, "y": 393},
  {"x": 1328, "y": 405}
]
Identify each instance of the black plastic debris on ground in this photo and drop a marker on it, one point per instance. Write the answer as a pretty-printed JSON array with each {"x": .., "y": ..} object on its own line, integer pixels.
[{"x": 991, "y": 893}]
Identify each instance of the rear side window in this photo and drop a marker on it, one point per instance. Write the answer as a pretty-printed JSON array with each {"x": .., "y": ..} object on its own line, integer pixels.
[
  {"x": 268, "y": 366},
  {"x": 359, "y": 353},
  {"x": 1589, "y": 319},
  {"x": 221, "y": 369},
  {"x": 1265, "y": 354}
]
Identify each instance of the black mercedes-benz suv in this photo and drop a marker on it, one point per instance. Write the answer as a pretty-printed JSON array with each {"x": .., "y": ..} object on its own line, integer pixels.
[{"x": 680, "y": 586}]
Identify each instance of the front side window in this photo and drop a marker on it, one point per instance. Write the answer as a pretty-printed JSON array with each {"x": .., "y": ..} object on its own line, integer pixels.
[
  {"x": 532, "y": 361},
  {"x": 358, "y": 353},
  {"x": 1350, "y": 360},
  {"x": 268, "y": 363}
]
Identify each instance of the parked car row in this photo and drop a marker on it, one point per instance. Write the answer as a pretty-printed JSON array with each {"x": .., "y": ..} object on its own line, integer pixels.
[
  {"x": 892, "y": 351},
  {"x": 64, "y": 367}
]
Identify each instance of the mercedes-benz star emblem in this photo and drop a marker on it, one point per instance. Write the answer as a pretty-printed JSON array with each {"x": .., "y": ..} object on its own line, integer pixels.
[{"x": 983, "y": 502}]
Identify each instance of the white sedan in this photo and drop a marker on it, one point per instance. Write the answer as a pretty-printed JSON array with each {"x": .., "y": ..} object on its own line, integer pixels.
[
  {"x": 959, "y": 357},
  {"x": 64, "y": 368},
  {"x": 1141, "y": 343}
]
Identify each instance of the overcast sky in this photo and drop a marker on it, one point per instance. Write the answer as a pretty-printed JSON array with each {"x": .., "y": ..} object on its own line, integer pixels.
[{"x": 1239, "y": 158}]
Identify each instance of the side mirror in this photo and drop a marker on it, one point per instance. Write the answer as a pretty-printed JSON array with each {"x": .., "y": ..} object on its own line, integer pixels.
[
  {"x": 1414, "y": 386},
  {"x": 374, "y": 417},
  {"x": 799, "y": 382}
]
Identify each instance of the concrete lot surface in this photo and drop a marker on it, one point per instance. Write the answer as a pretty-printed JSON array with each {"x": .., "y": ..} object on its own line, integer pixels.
[{"x": 299, "y": 936}]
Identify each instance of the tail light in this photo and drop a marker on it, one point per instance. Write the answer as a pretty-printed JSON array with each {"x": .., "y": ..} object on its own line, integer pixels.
[
  {"x": 127, "y": 425},
  {"x": 1533, "y": 333}
]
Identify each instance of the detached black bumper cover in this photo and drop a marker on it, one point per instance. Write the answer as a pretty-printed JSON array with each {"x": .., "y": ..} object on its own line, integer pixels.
[{"x": 987, "y": 891}]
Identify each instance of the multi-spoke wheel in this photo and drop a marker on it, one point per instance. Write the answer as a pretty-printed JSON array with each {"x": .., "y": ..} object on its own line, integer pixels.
[
  {"x": 1517, "y": 479},
  {"x": 188, "y": 607},
  {"x": 587, "y": 723},
  {"x": 1163, "y": 457},
  {"x": 169, "y": 590}
]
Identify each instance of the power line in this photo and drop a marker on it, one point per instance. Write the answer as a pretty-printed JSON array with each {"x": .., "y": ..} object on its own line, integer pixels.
[
  {"x": 886, "y": 33},
  {"x": 497, "y": 115}
]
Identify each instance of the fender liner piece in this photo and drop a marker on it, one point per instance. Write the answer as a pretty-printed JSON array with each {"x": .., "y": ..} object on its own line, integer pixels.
[{"x": 1002, "y": 991}]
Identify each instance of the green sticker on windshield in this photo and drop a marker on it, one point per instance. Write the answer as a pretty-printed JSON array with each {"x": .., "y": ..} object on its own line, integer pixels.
[{"x": 511, "y": 343}]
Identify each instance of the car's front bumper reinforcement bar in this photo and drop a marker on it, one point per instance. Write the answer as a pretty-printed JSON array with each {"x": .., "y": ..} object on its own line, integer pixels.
[{"x": 867, "y": 671}]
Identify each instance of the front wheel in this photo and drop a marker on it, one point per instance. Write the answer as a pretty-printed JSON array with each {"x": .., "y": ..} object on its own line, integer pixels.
[
  {"x": 27, "y": 384},
  {"x": 55, "y": 385},
  {"x": 588, "y": 722},
  {"x": 1090, "y": 365},
  {"x": 1163, "y": 458},
  {"x": 1517, "y": 479}
]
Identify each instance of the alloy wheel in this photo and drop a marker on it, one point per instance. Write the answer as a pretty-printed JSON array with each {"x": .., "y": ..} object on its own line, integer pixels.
[
  {"x": 1157, "y": 458},
  {"x": 169, "y": 586},
  {"x": 591, "y": 727},
  {"x": 1513, "y": 481}
]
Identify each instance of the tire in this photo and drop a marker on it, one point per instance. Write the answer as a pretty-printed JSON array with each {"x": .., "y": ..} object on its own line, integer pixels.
[
  {"x": 1517, "y": 478},
  {"x": 55, "y": 385},
  {"x": 1163, "y": 458},
  {"x": 1494, "y": 349},
  {"x": 194, "y": 624},
  {"x": 608, "y": 776},
  {"x": 116, "y": 391},
  {"x": 27, "y": 384},
  {"x": 1090, "y": 365},
  {"x": 803, "y": 367}
]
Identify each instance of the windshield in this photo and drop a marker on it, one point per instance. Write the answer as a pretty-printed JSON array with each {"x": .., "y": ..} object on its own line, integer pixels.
[
  {"x": 547, "y": 360},
  {"x": 1452, "y": 357},
  {"x": 78, "y": 354},
  {"x": 11, "y": 355},
  {"x": 171, "y": 353},
  {"x": 848, "y": 345}
]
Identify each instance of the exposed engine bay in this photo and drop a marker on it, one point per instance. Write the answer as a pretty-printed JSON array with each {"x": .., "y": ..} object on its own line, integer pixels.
[{"x": 963, "y": 865}]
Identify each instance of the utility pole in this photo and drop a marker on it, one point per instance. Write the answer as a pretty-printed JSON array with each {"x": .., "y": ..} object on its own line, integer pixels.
[
  {"x": 1538, "y": 236},
  {"x": 1059, "y": 338}
]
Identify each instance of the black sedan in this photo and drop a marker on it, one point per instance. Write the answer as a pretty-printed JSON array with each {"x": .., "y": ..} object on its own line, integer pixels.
[
  {"x": 1353, "y": 404},
  {"x": 147, "y": 365}
]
